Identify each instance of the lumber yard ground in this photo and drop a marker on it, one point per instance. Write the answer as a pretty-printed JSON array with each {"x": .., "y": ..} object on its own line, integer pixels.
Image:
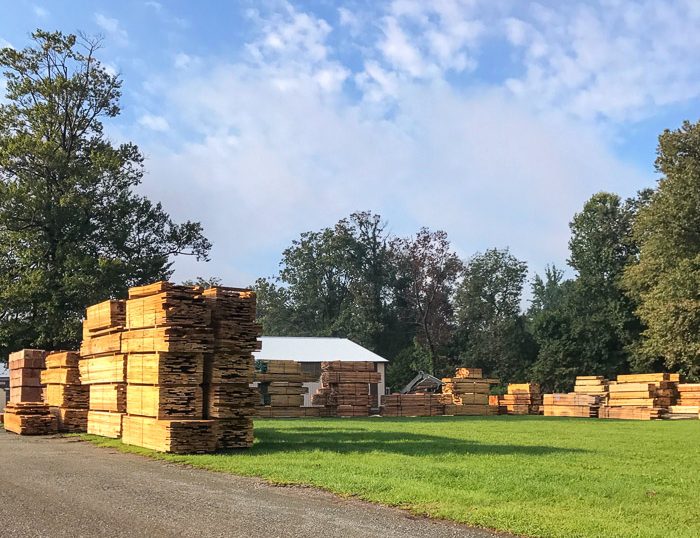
[
  {"x": 536, "y": 476},
  {"x": 60, "y": 486}
]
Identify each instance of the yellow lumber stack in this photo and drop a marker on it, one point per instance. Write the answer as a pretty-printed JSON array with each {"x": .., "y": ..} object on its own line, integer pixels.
[
  {"x": 641, "y": 396},
  {"x": 66, "y": 397},
  {"x": 344, "y": 389},
  {"x": 688, "y": 404},
  {"x": 467, "y": 393},
  {"x": 103, "y": 367},
  {"x": 523, "y": 399},
  {"x": 29, "y": 418},
  {"x": 281, "y": 390},
  {"x": 592, "y": 385},
  {"x": 571, "y": 405}
]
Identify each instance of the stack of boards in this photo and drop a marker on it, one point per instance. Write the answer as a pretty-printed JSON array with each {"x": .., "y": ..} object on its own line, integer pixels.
[
  {"x": 522, "y": 399},
  {"x": 421, "y": 404},
  {"x": 467, "y": 393},
  {"x": 281, "y": 389},
  {"x": 189, "y": 368},
  {"x": 66, "y": 396},
  {"x": 103, "y": 367},
  {"x": 345, "y": 388},
  {"x": 641, "y": 396},
  {"x": 688, "y": 404},
  {"x": 29, "y": 418},
  {"x": 571, "y": 405},
  {"x": 25, "y": 367},
  {"x": 592, "y": 385}
]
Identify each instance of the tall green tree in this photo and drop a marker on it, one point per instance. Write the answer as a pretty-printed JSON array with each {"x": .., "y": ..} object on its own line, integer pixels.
[
  {"x": 72, "y": 230},
  {"x": 492, "y": 332},
  {"x": 665, "y": 280}
]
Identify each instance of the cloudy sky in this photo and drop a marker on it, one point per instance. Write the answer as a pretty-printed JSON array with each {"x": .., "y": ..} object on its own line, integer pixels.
[{"x": 491, "y": 119}]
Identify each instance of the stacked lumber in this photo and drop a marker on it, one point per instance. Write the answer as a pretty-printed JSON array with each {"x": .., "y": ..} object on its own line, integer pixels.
[
  {"x": 103, "y": 367},
  {"x": 25, "y": 368},
  {"x": 344, "y": 389},
  {"x": 523, "y": 399},
  {"x": 420, "y": 404},
  {"x": 166, "y": 331},
  {"x": 29, "y": 418},
  {"x": 688, "y": 404},
  {"x": 497, "y": 407},
  {"x": 641, "y": 396},
  {"x": 467, "y": 393},
  {"x": 66, "y": 396},
  {"x": 572, "y": 404},
  {"x": 593, "y": 385},
  {"x": 229, "y": 368},
  {"x": 281, "y": 390}
]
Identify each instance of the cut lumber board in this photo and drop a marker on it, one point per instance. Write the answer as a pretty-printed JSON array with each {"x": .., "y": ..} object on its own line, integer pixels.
[
  {"x": 106, "y": 369},
  {"x": 165, "y": 368}
]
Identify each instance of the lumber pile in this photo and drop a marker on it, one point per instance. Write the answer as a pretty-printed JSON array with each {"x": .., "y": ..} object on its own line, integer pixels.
[
  {"x": 103, "y": 367},
  {"x": 467, "y": 393},
  {"x": 592, "y": 385},
  {"x": 25, "y": 368},
  {"x": 523, "y": 399},
  {"x": 641, "y": 396},
  {"x": 189, "y": 368},
  {"x": 29, "y": 418},
  {"x": 498, "y": 407},
  {"x": 572, "y": 404},
  {"x": 344, "y": 388},
  {"x": 688, "y": 404},
  {"x": 66, "y": 396},
  {"x": 420, "y": 404},
  {"x": 281, "y": 390}
]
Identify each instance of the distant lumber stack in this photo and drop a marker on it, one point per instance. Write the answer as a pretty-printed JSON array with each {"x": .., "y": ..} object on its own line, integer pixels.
[
  {"x": 25, "y": 368},
  {"x": 688, "y": 404},
  {"x": 592, "y": 385},
  {"x": 345, "y": 387},
  {"x": 467, "y": 393},
  {"x": 281, "y": 390},
  {"x": 641, "y": 396},
  {"x": 523, "y": 399},
  {"x": 571, "y": 405},
  {"x": 421, "y": 404},
  {"x": 66, "y": 396},
  {"x": 103, "y": 367}
]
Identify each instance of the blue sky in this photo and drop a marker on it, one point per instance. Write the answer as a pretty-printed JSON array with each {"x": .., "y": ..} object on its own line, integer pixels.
[{"x": 491, "y": 119}]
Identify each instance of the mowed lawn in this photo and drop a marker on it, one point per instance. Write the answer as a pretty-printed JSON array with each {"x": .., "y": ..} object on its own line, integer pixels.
[{"x": 529, "y": 475}]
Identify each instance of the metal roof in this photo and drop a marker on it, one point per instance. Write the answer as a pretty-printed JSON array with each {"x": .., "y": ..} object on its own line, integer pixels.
[{"x": 314, "y": 349}]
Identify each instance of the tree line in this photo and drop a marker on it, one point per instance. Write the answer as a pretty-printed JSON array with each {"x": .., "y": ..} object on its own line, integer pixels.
[{"x": 73, "y": 232}]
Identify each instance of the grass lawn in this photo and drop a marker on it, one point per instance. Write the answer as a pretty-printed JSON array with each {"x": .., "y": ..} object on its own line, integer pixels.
[{"x": 529, "y": 475}]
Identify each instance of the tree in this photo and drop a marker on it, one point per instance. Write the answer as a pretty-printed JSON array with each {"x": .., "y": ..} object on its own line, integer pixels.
[
  {"x": 72, "y": 231},
  {"x": 491, "y": 329},
  {"x": 426, "y": 271},
  {"x": 665, "y": 280}
]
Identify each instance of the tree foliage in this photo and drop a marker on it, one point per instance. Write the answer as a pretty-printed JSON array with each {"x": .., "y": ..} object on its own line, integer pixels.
[{"x": 72, "y": 230}]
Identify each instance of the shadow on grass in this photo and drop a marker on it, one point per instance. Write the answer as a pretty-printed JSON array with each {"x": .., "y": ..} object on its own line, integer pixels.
[{"x": 271, "y": 440}]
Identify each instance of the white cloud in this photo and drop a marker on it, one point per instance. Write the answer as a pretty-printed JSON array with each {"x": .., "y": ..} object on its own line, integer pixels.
[
  {"x": 183, "y": 61},
  {"x": 153, "y": 122},
  {"x": 618, "y": 61},
  {"x": 40, "y": 12},
  {"x": 113, "y": 29}
]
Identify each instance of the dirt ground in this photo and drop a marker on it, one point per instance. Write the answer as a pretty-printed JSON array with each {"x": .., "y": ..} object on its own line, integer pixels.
[{"x": 57, "y": 486}]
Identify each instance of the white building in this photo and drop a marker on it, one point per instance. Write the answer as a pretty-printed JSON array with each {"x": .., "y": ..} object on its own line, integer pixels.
[{"x": 312, "y": 351}]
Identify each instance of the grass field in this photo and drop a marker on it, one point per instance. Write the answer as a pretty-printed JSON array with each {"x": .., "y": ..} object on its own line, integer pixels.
[{"x": 529, "y": 475}]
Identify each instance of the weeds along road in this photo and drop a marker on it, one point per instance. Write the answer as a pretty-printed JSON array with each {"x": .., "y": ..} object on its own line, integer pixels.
[{"x": 53, "y": 486}]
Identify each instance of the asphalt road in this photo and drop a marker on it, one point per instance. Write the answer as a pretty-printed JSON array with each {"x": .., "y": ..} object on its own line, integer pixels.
[{"x": 54, "y": 487}]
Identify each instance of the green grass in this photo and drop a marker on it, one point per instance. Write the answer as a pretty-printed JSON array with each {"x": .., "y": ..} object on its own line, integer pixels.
[{"x": 529, "y": 475}]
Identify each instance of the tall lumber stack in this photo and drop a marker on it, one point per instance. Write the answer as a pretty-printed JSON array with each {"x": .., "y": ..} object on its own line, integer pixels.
[
  {"x": 344, "y": 387},
  {"x": 66, "y": 396},
  {"x": 421, "y": 404},
  {"x": 25, "y": 368},
  {"x": 167, "y": 333},
  {"x": 571, "y": 405},
  {"x": 592, "y": 385},
  {"x": 281, "y": 390},
  {"x": 688, "y": 404},
  {"x": 523, "y": 399},
  {"x": 641, "y": 396},
  {"x": 229, "y": 368},
  {"x": 467, "y": 393},
  {"x": 103, "y": 367}
]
